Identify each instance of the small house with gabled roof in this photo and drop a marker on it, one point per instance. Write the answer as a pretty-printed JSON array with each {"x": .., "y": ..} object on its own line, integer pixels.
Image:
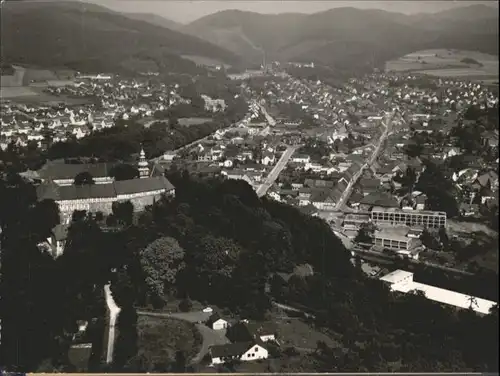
[{"x": 216, "y": 322}]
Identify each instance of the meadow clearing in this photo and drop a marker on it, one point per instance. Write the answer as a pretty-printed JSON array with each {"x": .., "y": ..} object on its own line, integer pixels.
[{"x": 448, "y": 63}]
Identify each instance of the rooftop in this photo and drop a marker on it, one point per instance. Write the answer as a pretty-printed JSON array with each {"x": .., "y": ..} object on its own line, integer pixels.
[
  {"x": 393, "y": 233},
  {"x": 397, "y": 210},
  {"x": 396, "y": 276},
  {"x": 438, "y": 294}
]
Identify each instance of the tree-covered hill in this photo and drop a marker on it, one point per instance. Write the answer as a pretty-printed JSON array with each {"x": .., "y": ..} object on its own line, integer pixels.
[
  {"x": 348, "y": 38},
  {"x": 217, "y": 242},
  {"x": 90, "y": 38}
]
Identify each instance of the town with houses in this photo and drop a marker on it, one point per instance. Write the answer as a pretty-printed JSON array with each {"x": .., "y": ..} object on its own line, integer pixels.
[{"x": 343, "y": 154}]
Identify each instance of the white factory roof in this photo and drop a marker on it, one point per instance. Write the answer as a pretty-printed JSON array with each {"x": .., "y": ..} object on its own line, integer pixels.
[
  {"x": 437, "y": 294},
  {"x": 396, "y": 276}
]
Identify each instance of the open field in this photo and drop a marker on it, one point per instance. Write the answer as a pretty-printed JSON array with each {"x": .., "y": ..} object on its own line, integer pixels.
[
  {"x": 193, "y": 121},
  {"x": 10, "y": 92},
  {"x": 448, "y": 63},
  {"x": 294, "y": 332},
  {"x": 160, "y": 338},
  {"x": 24, "y": 76},
  {"x": 26, "y": 85},
  {"x": 34, "y": 95}
]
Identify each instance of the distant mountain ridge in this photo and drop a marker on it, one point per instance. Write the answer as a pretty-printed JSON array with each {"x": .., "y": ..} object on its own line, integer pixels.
[
  {"x": 88, "y": 37},
  {"x": 155, "y": 20},
  {"x": 348, "y": 37}
]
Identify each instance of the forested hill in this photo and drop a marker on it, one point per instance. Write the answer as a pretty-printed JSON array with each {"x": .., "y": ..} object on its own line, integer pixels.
[
  {"x": 216, "y": 242},
  {"x": 91, "y": 38},
  {"x": 155, "y": 20},
  {"x": 348, "y": 37}
]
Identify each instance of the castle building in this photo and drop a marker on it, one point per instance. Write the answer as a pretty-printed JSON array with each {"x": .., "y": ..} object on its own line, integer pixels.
[{"x": 100, "y": 197}]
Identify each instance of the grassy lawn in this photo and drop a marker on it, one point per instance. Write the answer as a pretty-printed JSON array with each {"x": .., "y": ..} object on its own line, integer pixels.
[
  {"x": 447, "y": 63},
  {"x": 161, "y": 338},
  {"x": 297, "y": 333}
]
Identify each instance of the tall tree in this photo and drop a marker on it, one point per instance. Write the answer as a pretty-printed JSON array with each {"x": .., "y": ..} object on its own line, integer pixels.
[
  {"x": 123, "y": 212},
  {"x": 124, "y": 171},
  {"x": 84, "y": 178},
  {"x": 161, "y": 261}
]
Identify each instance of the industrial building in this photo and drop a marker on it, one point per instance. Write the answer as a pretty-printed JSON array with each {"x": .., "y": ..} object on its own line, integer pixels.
[
  {"x": 402, "y": 281},
  {"x": 410, "y": 218},
  {"x": 397, "y": 239},
  {"x": 394, "y": 239}
]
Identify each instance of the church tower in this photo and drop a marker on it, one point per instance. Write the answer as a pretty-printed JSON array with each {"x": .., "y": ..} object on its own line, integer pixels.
[{"x": 143, "y": 165}]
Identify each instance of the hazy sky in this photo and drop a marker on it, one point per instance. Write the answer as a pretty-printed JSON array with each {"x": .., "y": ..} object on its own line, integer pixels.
[{"x": 186, "y": 10}]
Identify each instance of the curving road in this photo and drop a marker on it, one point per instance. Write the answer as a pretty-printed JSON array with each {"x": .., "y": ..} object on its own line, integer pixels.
[
  {"x": 275, "y": 172},
  {"x": 114, "y": 311},
  {"x": 348, "y": 191}
]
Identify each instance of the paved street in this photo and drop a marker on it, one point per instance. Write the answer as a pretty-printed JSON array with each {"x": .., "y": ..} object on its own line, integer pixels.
[
  {"x": 269, "y": 118},
  {"x": 275, "y": 172},
  {"x": 348, "y": 191}
]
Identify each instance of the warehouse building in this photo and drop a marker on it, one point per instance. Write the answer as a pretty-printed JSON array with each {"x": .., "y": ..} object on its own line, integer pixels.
[{"x": 402, "y": 281}]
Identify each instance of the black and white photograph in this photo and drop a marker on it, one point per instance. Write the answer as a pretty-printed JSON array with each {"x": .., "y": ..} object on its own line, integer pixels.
[{"x": 253, "y": 187}]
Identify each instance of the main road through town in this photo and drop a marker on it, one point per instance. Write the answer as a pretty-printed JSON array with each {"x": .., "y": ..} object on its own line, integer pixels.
[
  {"x": 273, "y": 175},
  {"x": 269, "y": 118},
  {"x": 387, "y": 122}
]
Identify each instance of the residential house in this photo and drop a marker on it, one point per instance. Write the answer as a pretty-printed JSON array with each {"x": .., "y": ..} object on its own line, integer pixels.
[
  {"x": 380, "y": 199},
  {"x": 268, "y": 158},
  {"x": 310, "y": 210},
  {"x": 244, "y": 331},
  {"x": 305, "y": 196},
  {"x": 227, "y": 163},
  {"x": 169, "y": 156},
  {"x": 420, "y": 201},
  {"x": 301, "y": 158},
  {"x": 57, "y": 239},
  {"x": 369, "y": 185},
  {"x": 242, "y": 351},
  {"x": 215, "y": 322},
  {"x": 326, "y": 199},
  {"x": 318, "y": 183},
  {"x": 238, "y": 174}
]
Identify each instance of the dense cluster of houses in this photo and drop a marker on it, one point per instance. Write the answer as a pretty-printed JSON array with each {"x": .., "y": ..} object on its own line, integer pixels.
[
  {"x": 356, "y": 109},
  {"x": 103, "y": 100}
]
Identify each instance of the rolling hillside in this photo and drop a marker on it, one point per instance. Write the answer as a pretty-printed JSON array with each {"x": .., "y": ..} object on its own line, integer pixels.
[
  {"x": 348, "y": 38},
  {"x": 94, "y": 39},
  {"x": 154, "y": 20}
]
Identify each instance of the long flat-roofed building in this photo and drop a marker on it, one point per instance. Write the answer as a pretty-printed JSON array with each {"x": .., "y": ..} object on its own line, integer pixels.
[
  {"x": 410, "y": 218},
  {"x": 393, "y": 238},
  {"x": 402, "y": 281}
]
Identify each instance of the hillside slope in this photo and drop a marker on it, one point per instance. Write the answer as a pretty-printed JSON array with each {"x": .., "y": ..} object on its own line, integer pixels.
[
  {"x": 154, "y": 20},
  {"x": 91, "y": 38},
  {"x": 348, "y": 38}
]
